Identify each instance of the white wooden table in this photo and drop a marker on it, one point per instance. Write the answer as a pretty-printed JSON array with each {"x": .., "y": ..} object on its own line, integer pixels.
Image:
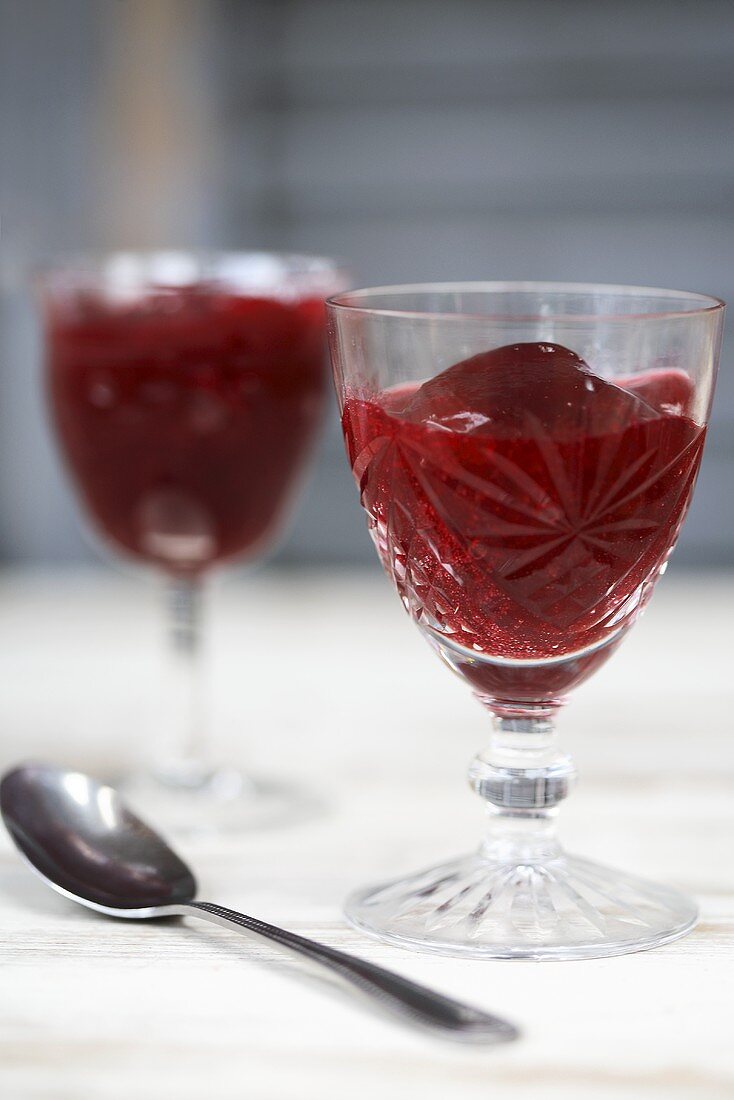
[{"x": 323, "y": 680}]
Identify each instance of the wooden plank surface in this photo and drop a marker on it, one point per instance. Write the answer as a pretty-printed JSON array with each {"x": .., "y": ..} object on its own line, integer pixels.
[{"x": 322, "y": 681}]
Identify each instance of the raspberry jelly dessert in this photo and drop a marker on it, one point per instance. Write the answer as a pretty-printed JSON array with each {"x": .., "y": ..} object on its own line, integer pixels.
[
  {"x": 522, "y": 505},
  {"x": 186, "y": 416}
]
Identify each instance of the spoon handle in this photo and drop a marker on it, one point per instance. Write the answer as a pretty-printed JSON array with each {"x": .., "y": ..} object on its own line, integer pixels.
[{"x": 414, "y": 1002}]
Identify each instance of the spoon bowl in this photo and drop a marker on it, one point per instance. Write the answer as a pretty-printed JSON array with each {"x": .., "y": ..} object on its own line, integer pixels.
[{"x": 82, "y": 838}]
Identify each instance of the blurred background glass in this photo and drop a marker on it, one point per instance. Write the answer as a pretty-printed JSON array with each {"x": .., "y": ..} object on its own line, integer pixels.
[{"x": 481, "y": 139}]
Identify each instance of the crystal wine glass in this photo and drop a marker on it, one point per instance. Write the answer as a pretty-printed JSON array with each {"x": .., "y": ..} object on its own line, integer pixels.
[
  {"x": 526, "y": 454},
  {"x": 186, "y": 392}
]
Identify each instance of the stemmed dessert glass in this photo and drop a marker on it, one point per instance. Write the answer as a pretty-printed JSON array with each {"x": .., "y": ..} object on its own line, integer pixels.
[
  {"x": 525, "y": 454},
  {"x": 186, "y": 391}
]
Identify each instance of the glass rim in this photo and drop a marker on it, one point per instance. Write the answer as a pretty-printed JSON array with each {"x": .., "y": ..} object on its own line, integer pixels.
[
  {"x": 346, "y": 301},
  {"x": 73, "y": 269}
]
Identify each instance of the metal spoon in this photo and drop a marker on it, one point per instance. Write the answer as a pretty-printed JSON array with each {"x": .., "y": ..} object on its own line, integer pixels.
[{"x": 82, "y": 839}]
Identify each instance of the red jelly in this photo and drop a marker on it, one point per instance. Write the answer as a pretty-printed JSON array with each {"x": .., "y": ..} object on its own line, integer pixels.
[
  {"x": 185, "y": 417},
  {"x": 521, "y": 504}
]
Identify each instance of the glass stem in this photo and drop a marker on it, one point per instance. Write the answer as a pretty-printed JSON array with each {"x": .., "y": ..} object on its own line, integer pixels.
[
  {"x": 523, "y": 776},
  {"x": 184, "y": 761}
]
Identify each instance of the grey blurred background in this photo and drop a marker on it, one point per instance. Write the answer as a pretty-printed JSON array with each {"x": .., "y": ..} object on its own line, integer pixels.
[{"x": 417, "y": 139}]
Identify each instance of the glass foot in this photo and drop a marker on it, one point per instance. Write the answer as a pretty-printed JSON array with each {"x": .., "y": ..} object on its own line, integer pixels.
[
  {"x": 565, "y": 908},
  {"x": 227, "y": 801}
]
